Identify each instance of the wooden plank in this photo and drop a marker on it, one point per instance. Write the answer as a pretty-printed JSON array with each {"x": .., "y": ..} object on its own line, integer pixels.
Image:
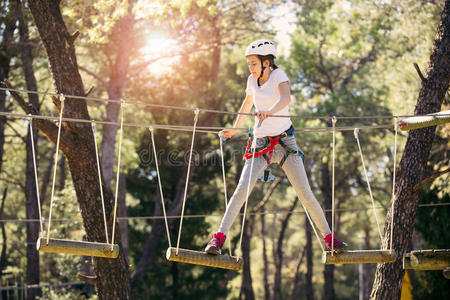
[
  {"x": 437, "y": 259},
  {"x": 77, "y": 248},
  {"x": 204, "y": 259},
  {"x": 359, "y": 257},
  {"x": 425, "y": 121}
]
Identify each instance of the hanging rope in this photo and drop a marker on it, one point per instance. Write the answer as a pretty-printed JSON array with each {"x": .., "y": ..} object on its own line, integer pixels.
[
  {"x": 160, "y": 186},
  {"x": 333, "y": 121},
  {"x": 393, "y": 182},
  {"x": 355, "y": 132},
  {"x": 313, "y": 227},
  {"x": 187, "y": 179},
  {"x": 224, "y": 184},
  {"x": 36, "y": 177},
  {"x": 247, "y": 196},
  {"x": 122, "y": 104},
  {"x": 61, "y": 99},
  {"x": 94, "y": 130}
]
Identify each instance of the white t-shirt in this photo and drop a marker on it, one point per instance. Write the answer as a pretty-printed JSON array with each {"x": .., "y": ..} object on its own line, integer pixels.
[{"x": 264, "y": 98}]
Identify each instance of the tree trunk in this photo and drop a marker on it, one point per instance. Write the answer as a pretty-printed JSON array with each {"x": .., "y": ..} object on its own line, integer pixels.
[
  {"x": 388, "y": 277},
  {"x": 121, "y": 35},
  {"x": 295, "y": 294},
  {"x": 3, "y": 258},
  {"x": 328, "y": 273},
  {"x": 122, "y": 213},
  {"x": 265, "y": 260},
  {"x": 6, "y": 54},
  {"x": 32, "y": 208},
  {"x": 279, "y": 253},
  {"x": 246, "y": 286},
  {"x": 62, "y": 173},
  {"x": 77, "y": 143},
  {"x": 8, "y": 25},
  {"x": 309, "y": 261}
]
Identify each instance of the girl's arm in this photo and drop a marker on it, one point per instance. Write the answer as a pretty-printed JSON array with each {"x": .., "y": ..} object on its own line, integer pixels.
[
  {"x": 245, "y": 108},
  {"x": 285, "y": 99}
]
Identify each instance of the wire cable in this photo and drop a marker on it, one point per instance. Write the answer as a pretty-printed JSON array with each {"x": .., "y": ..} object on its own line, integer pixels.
[{"x": 118, "y": 101}]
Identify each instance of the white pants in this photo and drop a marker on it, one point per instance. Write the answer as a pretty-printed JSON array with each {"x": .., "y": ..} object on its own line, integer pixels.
[{"x": 295, "y": 171}]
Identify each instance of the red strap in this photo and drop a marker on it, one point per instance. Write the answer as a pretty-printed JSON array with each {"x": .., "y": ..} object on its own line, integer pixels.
[{"x": 273, "y": 143}]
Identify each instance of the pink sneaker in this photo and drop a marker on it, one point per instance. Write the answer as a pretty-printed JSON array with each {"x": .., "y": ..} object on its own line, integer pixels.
[
  {"x": 214, "y": 246},
  {"x": 338, "y": 246}
]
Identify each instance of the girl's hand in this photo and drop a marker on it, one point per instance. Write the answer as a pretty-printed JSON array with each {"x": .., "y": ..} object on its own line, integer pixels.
[
  {"x": 228, "y": 133},
  {"x": 262, "y": 115}
]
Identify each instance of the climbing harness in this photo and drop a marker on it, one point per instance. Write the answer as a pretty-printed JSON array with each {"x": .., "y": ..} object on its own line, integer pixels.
[{"x": 267, "y": 150}]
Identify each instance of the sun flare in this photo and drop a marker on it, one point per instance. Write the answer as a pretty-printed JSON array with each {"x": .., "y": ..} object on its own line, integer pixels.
[{"x": 161, "y": 51}]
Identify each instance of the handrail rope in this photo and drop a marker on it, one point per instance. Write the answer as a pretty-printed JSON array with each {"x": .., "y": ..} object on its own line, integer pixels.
[
  {"x": 355, "y": 132},
  {"x": 224, "y": 184},
  {"x": 257, "y": 213},
  {"x": 160, "y": 186},
  {"x": 200, "y": 109},
  {"x": 247, "y": 196},
  {"x": 393, "y": 183},
  {"x": 333, "y": 121},
  {"x": 36, "y": 177},
  {"x": 202, "y": 129},
  {"x": 196, "y": 112},
  {"x": 61, "y": 98},
  {"x": 122, "y": 104},
  {"x": 94, "y": 130}
]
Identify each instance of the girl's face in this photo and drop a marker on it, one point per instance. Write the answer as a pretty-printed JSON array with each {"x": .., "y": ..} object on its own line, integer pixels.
[{"x": 254, "y": 65}]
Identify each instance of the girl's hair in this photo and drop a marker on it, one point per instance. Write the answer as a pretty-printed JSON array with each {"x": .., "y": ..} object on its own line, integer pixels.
[{"x": 270, "y": 58}]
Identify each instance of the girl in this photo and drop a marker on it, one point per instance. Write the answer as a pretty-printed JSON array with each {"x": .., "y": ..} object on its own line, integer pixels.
[{"x": 268, "y": 89}]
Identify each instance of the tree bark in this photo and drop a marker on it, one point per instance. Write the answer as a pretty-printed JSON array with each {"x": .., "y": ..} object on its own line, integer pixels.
[
  {"x": 77, "y": 143},
  {"x": 388, "y": 277}
]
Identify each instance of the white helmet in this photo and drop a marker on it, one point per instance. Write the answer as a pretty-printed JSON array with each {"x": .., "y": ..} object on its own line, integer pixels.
[{"x": 261, "y": 47}]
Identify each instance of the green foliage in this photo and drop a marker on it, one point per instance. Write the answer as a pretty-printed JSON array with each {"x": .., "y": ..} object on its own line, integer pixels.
[
  {"x": 347, "y": 58},
  {"x": 432, "y": 223}
]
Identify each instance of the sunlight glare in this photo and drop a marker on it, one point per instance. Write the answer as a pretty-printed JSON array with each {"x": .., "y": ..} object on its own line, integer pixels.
[{"x": 162, "y": 50}]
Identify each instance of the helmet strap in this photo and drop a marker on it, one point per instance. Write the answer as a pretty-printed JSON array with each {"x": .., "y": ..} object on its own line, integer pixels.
[{"x": 262, "y": 72}]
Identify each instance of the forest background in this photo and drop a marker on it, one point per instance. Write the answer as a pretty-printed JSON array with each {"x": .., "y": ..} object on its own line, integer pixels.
[{"x": 343, "y": 58}]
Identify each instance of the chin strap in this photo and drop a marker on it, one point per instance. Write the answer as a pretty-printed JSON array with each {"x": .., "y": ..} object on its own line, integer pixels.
[{"x": 262, "y": 72}]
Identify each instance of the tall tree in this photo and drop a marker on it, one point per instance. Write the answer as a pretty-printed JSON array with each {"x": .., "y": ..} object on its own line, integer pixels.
[
  {"x": 76, "y": 143},
  {"x": 388, "y": 277},
  {"x": 8, "y": 24}
]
